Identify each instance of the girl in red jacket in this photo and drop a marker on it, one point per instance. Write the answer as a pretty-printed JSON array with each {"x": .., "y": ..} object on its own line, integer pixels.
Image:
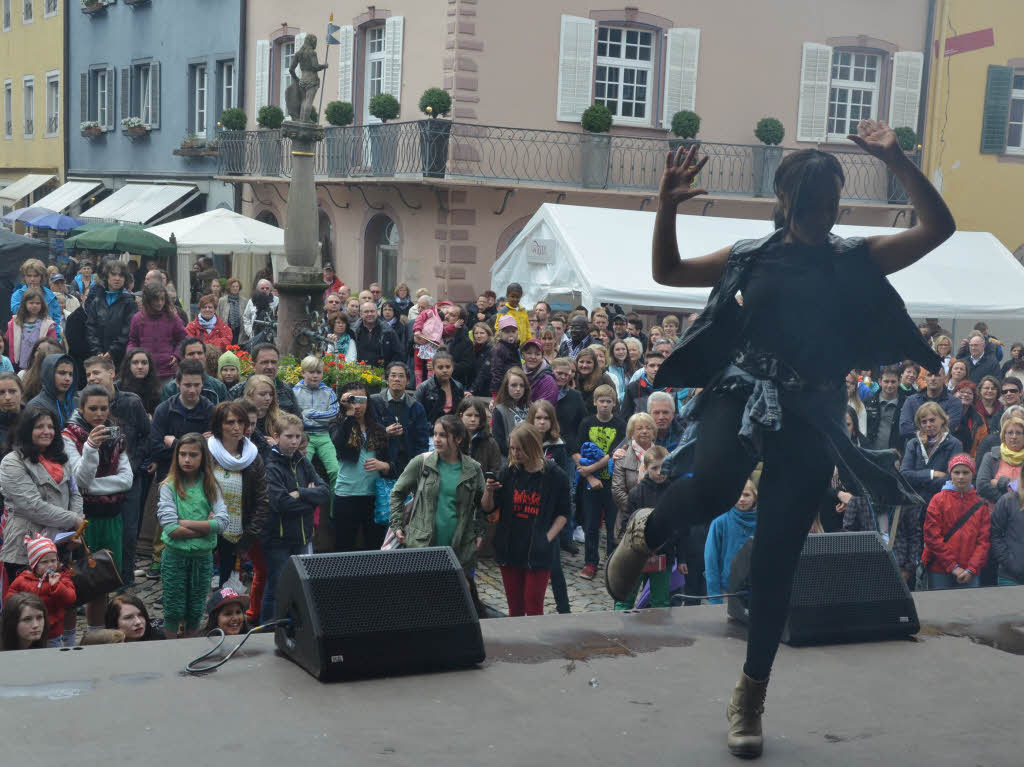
[
  {"x": 52, "y": 583},
  {"x": 956, "y": 529}
]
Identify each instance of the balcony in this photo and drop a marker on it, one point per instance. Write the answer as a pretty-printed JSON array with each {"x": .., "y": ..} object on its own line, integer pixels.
[
  {"x": 30, "y": 127},
  {"x": 539, "y": 158},
  {"x": 51, "y": 124}
]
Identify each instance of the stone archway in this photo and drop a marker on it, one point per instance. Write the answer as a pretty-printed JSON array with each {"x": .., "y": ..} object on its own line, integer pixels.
[
  {"x": 509, "y": 233},
  {"x": 381, "y": 253}
]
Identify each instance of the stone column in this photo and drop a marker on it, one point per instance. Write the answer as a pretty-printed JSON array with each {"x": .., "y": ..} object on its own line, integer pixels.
[{"x": 300, "y": 279}]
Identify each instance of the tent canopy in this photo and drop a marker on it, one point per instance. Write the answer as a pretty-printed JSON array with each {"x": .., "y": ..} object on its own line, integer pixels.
[
  {"x": 222, "y": 231},
  {"x": 580, "y": 255},
  {"x": 141, "y": 203}
]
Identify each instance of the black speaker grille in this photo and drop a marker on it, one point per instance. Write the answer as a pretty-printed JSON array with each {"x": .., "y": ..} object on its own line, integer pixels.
[
  {"x": 844, "y": 568},
  {"x": 373, "y": 591}
]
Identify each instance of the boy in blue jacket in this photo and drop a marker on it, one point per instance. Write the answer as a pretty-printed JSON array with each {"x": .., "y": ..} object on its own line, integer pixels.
[
  {"x": 295, "y": 491},
  {"x": 726, "y": 536}
]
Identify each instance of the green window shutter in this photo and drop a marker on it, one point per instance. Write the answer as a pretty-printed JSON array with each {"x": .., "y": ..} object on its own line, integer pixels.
[{"x": 996, "y": 114}]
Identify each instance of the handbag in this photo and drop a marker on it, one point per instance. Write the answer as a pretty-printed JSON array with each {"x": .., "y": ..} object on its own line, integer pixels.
[
  {"x": 391, "y": 539},
  {"x": 382, "y": 500},
  {"x": 94, "y": 573}
]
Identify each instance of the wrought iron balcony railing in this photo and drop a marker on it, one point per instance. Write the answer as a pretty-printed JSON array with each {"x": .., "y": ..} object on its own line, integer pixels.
[
  {"x": 30, "y": 127},
  {"x": 51, "y": 124},
  {"x": 560, "y": 159}
]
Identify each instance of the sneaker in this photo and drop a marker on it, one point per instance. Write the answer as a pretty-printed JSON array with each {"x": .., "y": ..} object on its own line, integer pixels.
[
  {"x": 154, "y": 571},
  {"x": 141, "y": 574},
  {"x": 578, "y": 535},
  {"x": 588, "y": 572}
]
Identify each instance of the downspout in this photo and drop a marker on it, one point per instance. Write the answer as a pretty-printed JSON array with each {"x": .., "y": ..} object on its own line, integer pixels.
[
  {"x": 66, "y": 83},
  {"x": 929, "y": 53},
  {"x": 242, "y": 30}
]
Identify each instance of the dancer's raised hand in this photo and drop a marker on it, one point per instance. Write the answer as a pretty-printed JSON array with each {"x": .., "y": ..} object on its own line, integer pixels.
[
  {"x": 877, "y": 139},
  {"x": 681, "y": 168}
]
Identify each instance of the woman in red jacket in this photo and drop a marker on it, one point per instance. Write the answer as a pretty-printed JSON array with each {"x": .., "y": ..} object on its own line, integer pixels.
[
  {"x": 207, "y": 326},
  {"x": 956, "y": 530}
]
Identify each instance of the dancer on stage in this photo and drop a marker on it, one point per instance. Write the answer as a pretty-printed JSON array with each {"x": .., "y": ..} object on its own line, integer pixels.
[{"x": 814, "y": 306}]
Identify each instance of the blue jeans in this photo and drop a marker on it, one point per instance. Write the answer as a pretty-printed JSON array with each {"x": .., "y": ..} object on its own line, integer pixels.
[
  {"x": 276, "y": 555},
  {"x": 938, "y": 581},
  {"x": 598, "y": 505}
]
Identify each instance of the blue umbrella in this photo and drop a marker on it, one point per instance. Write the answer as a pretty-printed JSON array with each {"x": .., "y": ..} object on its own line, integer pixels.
[
  {"x": 54, "y": 221},
  {"x": 24, "y": 214}
]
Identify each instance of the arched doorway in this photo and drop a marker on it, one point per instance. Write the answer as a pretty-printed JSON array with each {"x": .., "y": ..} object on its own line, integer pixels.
[
  {"x": 267, "y": 217},
  {"x": 326, "y": 238},
  {"x": 382, "y": 245}
]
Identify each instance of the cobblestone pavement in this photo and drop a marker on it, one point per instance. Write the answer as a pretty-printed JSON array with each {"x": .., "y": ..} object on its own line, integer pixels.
[{"x": 584, "y": 595}]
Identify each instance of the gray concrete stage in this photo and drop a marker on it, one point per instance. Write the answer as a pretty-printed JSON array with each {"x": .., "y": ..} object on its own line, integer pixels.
[{"x": 637, "y": 689}]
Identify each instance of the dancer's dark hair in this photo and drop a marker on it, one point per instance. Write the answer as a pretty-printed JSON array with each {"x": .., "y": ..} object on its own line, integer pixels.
[{"x": 803, "y": 178}]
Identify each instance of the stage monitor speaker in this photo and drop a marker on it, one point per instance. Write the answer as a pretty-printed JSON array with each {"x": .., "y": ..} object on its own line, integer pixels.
[
  {"x": 847, "y": 588},
  {"x": 372, "y": 613}
]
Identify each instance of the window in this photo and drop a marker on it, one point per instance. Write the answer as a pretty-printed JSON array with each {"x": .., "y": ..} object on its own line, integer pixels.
[
  {"x": 50, "y": 8},
  {"x": 624, "y": 73},
  {"x": 1015, "y": 136},
  {"x": 853, "y": 91},
  {"x": 142, "y": 98},
  {"x": 52, "y": 104},
  {"x": 199, "y": 105},
  {"x": 227, "y": 85},
  {"x": 287, "y": 51},
  {"x": 8, "y": 109},
  {"x": 7, "y": 15},
  {"x": 27, "y": 12},
  {"x": 375, "y": 56},
  {"x": 99, "y": 107},
  {"x": 28, "y": 89}
]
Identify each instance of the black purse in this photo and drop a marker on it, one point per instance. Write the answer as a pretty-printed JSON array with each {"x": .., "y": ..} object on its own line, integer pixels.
[{"x": 94, "y": 573}]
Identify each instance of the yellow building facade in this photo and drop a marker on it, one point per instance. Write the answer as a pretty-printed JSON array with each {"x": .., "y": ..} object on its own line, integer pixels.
[
  {"x": 974, "y": 134},
  {"x": 32, "y": 95}
]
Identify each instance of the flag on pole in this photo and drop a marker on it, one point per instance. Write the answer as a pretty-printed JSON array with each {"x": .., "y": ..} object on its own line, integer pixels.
[{"x": 332, "y": 28}]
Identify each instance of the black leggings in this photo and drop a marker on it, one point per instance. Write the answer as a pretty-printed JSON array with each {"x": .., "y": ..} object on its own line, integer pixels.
[{"x": 796, "y": 473}]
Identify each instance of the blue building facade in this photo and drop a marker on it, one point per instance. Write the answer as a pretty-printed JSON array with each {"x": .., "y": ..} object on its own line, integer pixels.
[{"x": 147, "y": 82}]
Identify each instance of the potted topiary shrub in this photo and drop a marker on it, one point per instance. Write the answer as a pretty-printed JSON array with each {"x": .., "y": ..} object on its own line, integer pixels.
[
  {"x": 232, "y": 139},
  {"x": 596, "y": 146},
  {"x": 907, "y": 138},
  {"x": 434, "y": 133},
  {"x": 269, "y": 119},
  {"x": 339, "y": 138},
  {"x": 685, "y": 126},
  {"x": 383, "y": 137},
  {"x": 769, "y": 132}
]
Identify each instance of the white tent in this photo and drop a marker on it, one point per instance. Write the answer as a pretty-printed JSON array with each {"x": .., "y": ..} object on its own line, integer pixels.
[
  {"x": 573, "y": 255},
  {"x": 224, "y": 232}
]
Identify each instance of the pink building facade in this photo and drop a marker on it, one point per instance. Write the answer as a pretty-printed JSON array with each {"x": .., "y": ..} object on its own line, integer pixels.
[{"x": 520, "y": 75}]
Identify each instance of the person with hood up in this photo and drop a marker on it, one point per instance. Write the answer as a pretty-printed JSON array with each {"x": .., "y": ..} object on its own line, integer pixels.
[
  {"x": 57, "y": 377},
  {"x": 726, "y": 537},
  {"x": 505, "y": 354},
  {"x": 956, "y": 530},
  {"x": 539, "y": 372}
]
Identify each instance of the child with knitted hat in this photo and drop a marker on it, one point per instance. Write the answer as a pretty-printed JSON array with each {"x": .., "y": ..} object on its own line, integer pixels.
[
  {"x": 51, "y": 582},
  {"x": 956, "y": 530},
  {"x": 229, "y": 369}
]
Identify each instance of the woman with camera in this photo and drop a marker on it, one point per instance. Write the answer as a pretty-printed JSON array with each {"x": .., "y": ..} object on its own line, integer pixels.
[
  {"x": 362, "y": 446},
  {"x": 102, "y": 471}
]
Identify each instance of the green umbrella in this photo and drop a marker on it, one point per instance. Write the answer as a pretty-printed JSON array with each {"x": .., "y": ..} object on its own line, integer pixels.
[
  {"x": 120, "y": 238},
  {"x": 90, "y": 226}
]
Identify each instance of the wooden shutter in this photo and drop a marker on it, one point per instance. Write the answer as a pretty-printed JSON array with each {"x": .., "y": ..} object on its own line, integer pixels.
[
  {"x": 111, "y": 92},
  {"x": 154, "y": 94},
  {"x": 682, "y": 49},
  {"x": 394, "y": 30},
  {"x": 575, "y": 67},
  {"x": 907, "y": 67},
  {"x": 262, "y": 90},
  {"x": 126, "y": 92},
  {"x": 346, "y": 39},
  {"x": 995, "y": 117},
  {"x": 83, "y": 96},
  {"x": 815, "y": 72}
]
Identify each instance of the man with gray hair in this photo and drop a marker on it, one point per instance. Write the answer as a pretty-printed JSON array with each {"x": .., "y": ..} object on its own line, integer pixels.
[{"x": 249, "y": 314}]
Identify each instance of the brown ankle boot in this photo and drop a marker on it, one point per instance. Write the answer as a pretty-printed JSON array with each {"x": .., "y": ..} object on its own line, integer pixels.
[
  {"x": 744, "y": 712},
  {"x": 626, "y": 565}
]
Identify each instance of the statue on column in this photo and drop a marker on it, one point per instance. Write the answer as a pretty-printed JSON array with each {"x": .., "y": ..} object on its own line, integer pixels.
[{"x": 299, "y": 95}]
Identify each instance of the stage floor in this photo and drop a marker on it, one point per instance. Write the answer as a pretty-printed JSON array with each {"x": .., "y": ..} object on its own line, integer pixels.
[{"x": 639, "y": 689}]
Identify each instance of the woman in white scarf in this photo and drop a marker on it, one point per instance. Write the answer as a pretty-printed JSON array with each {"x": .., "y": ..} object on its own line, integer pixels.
[{"x": 239, "y": 471}]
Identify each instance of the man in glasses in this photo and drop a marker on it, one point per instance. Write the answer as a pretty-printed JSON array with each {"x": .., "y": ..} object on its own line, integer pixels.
[{"x": 1011, "y": 390}]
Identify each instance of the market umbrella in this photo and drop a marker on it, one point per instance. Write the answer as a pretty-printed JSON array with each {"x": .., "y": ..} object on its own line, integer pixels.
[
  {"x": 55, "y": 221},
  {"x": 122, "y": 238},
  {"x": 15, "y": 249},
  {"x": 24, "y": 214},
  {"x": 90, "y": 226}
]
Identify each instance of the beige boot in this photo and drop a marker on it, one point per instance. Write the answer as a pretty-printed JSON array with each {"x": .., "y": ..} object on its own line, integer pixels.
[
  {"x": 626, "y": 565},
  {"x": 744, "y": 712}
]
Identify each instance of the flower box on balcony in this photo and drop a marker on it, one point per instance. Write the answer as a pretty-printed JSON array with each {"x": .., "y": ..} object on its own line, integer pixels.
[
  {"x": 137, "y": 131},
  {"x": 92, "y": 130},
  {"x": 136, "y": 2},
  {"x": 196, "y": 151},
  {"x": 93, "y": 7}
]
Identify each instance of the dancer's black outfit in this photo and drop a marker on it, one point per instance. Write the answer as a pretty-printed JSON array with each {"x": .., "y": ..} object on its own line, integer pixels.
[{"x": 774, "y": 368}]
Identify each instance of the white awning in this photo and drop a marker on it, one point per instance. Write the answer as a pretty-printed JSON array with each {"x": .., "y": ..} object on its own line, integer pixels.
[
  {"x": 140, "y": 203},
  {"x": 25, "y": 185},
  {"x": 70, "y": 193}
]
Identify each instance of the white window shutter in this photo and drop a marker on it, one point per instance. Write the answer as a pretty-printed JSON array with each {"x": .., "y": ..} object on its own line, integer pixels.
[
  {"x": 575, "y": 67},
  {"x": 262, "y": 95},
  {"x": 346, "y": 38},
  {"x": 394, "y": 28},
  {"x": 682, "y": 50},
  {"x": 815, "y": 74},
  {"x": 299, "y": 40},
  {"x": 907, "y": 67}
]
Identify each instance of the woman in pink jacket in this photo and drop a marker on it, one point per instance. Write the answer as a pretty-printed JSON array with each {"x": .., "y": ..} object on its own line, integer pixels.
[{"x": 158, "y": 330}]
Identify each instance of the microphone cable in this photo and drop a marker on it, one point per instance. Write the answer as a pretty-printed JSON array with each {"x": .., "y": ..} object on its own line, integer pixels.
[{"x": 192, "y": 668}]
